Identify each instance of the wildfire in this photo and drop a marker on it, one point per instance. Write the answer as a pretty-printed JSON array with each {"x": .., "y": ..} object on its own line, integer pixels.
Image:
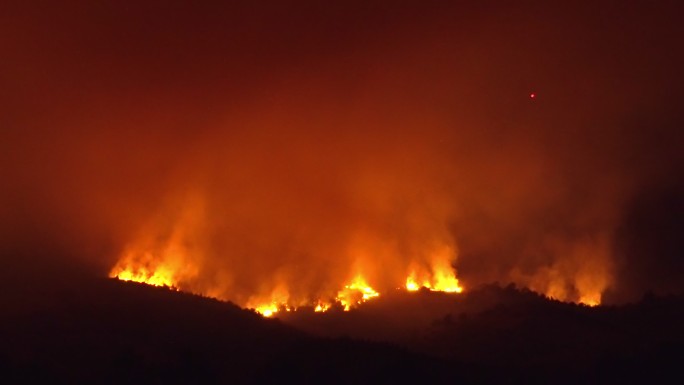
[
  {"x": 446, "y": 281},
  {"x": 168, "y": 266},
  {"x": 351, "y": 295},
  {"x": 581, "y": 276},
  {"x": 144, "y": 268},
  {"x": 321, "y": 307},
  {"x": 268, "y": 310},
  {"x": 441, "y": 276},
  {"x": 174, "y": 250},
  {"x": 445, "y": 284},
  {"x": 591, "y": 299},
  {"x": 411, "y": 284},
  {"x": 356, "y": 293},
  {"x": 143, "y": 275},
  {"x": 278, "y": 299},
  {"x": 161, "y": 262}
]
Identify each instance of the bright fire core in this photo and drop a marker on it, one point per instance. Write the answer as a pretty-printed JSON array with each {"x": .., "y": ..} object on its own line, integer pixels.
[
  {"x": 373, "y": 267},
  {"x": 145, "y": 268}
]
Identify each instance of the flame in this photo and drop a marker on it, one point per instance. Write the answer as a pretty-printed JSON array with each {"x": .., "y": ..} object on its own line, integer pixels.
[
  {"x": 356, "y": 293},
  {"x": 267, "y": 310},
  {"x": 447, "y": 282},
  {"x": 440, "y": 276},
  {"x": 174, "y": 250},
  {"x": 161, "y": 277},
  {"x": 443, "y": 282},
  {"x": 278, "y": 299},
  {"x": 148, "y": 268},
  {"x": 169, "y": 266},
  {"x": 592, "y": 300},
  {"x": 163, "y": 261},
  {"x": 560, "y": 290},
  {"x": 580, "y": 276},
  {"x": 351, "y": 295},
  {"x": 411, "y": 284},
  {"x": 321, "y": 307}
]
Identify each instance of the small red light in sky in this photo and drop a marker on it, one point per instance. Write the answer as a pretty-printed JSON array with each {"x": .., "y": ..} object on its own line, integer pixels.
[{"x": 533, "y": 95}]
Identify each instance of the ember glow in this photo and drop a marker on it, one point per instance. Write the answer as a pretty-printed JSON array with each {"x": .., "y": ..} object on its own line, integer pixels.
[
  {"x": 165, "y": 262},
  {"x": 145, "y": 268},
  {"x": 175, "y": 251},
  {"x": 447, "y": 284},
  {"x": 439, "y": 277},
  {"x": 277, "y": 300},
  {"x": 304, "y": 156},
  {"x": 156, "y": 277},
  {"x": 356, "y": 293}
]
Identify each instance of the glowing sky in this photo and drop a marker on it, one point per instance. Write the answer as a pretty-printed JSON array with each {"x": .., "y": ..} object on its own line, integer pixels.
[{"x": 299, "y": 143}]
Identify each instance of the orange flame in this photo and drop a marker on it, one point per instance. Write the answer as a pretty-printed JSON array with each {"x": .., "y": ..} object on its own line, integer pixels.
[
  {"x": 148, "y": 268},
  {"x": 440, "y": 276},
  {"x": 170, "y": 268},
  {"x": 351, "y": 295},
  {"x": 580, "y": 276},
  {"x": 321, "y": 307},
  {"x": 278, "y": 299},
  {"x": 356, "y": 293}
]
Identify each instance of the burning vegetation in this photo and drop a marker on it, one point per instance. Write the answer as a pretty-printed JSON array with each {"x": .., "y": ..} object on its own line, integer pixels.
[
  {"x": 179, "y": 262},
  {"x": 182, "y": 254},
  {"x": 331, "y": 162},
  {"x": 144, "y": 268}
]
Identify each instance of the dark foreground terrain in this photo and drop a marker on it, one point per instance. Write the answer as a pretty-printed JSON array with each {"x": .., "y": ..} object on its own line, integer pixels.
[{"x": 110, "y": 332}]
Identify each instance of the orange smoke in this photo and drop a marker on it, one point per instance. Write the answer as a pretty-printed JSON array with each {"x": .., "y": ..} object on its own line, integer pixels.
[
  {"x": 580, "y": 273},
  {"x": 164, "y": 256},
  {"x": 356, "y": 293},
  {"x": 173, "y": 267},
  {"x": 440, "y": 277},
  {"x": 271, "y": 156}
]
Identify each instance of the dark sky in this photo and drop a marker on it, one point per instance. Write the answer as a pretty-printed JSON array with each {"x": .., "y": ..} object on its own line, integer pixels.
[{"x": 295, "y": 142}]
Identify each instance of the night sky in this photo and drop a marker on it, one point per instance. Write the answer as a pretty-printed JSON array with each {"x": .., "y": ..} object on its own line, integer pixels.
[{"x": 297, "y": 142}]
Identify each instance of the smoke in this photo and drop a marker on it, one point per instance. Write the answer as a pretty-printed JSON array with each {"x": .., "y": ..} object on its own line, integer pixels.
[{"x": 260, "y": 149}]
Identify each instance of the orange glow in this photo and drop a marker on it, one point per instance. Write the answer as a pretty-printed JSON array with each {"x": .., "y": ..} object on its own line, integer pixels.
[
  {"x": 445, "y": 280},
  {"x": 146, "y": 268},
  {"x": 163, "y": 261},
  {"x": 161, "y": 277},
  {"x": 321, "y": 307},
  {"x": 439, "y": 277},
  {"x": 591, "y": 300},
  {"x": 267, "y": 310},
  {"x": 175, "y": 262},
  {"x": 559, "y": 291},
  {"x": 277, "y": 300},
  {"x": 580, "y": 276},
  {"x": 356, "y": 293},
  {"x": 305, "y": 154},
  {"x": 170, "y": 265},
  {"x": 442, "y": 282},
  {"x": 411, "y": 284},
  {"x": 351, "y": 295}
]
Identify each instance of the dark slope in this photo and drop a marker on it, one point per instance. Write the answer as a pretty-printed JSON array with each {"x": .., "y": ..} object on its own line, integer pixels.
[
  {"x": 506, "y": 334},
  {"x": 114, "y": 332},
  {"x": 568, "y": 343},
  {"x": 110, "y": 332}
]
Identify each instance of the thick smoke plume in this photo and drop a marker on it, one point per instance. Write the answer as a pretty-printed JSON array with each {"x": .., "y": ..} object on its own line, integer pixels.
[{"x": 282, "y": 150}]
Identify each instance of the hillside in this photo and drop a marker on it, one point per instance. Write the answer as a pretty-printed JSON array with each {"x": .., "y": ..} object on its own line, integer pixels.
[
  {"x": 115, "y": 332},
  {"x": 106, "y": 331},
  {"x": 517, "y": 335}
]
